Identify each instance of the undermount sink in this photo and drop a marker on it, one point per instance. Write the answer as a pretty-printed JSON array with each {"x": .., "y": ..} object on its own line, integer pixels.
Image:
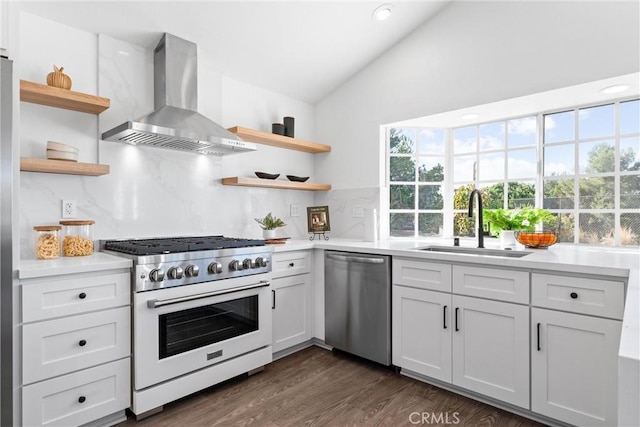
[{"x": 476, "y": 251}]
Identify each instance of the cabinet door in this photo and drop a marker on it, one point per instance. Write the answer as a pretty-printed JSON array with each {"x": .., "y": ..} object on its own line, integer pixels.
[
  {"x": 421, "y": 331},
  {"x": 292, "y": 310},
  {"x": 491, "y": 348},
  {"x": 574, "y": 367}
]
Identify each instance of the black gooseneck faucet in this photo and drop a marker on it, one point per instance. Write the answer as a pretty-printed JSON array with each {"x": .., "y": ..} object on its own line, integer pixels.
[{"x": 479, "y": 227}]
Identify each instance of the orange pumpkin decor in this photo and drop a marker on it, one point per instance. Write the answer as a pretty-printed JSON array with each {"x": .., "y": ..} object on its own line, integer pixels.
[{"x": 58, "y": 78}]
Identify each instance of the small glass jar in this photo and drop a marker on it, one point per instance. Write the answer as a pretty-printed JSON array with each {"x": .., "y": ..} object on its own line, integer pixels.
[
  {"x": 47, "y": 241},
  {"x": 77, "y": 237}
]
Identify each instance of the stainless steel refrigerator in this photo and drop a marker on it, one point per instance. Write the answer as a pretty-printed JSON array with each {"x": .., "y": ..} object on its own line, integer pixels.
[{"x": 7, "y": 168}]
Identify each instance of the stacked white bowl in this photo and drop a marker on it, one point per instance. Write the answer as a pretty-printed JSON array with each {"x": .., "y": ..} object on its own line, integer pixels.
[{"x": 59, "y": 151}]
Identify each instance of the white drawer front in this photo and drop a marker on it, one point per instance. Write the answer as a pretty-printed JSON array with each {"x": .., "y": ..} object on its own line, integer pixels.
[
  {"x": 290, "y": 263},
  {"x": 60, "y": 346},
  {"x": 57, "y": 298},
  {"x": 422, "y": 274},
  {"x": 579, "y": 295},
  {"x": 493, "y": 283},
  {"x": 78, "y": 398}
]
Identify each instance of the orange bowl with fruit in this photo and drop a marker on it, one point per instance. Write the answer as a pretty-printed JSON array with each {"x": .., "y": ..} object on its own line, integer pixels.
[{"x": 536, "y": 239}]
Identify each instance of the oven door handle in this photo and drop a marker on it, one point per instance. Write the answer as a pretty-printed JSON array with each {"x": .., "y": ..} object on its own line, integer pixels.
[{"x": 155, "y": 303}]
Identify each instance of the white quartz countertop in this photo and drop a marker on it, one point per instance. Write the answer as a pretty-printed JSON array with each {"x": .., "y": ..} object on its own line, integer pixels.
[{"x": 32, "y": 268}]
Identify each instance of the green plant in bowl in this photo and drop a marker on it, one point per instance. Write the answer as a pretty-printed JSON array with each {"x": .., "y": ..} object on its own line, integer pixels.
[
  {"x": 270, "y": 222},
  {"x": 516, "y": 219}
]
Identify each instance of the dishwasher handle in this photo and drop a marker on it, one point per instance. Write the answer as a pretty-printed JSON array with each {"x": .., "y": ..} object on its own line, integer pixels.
[{"x": 365, "y": 260}]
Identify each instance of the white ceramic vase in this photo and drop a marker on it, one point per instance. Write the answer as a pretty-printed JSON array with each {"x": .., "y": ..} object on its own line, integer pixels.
[
  {"x": 507, "y": 239},
  {"x": 269, "y": 234}
]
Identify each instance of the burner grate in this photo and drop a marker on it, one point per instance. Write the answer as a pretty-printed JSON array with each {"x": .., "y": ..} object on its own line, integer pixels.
[{"x": 178, "y": 244}]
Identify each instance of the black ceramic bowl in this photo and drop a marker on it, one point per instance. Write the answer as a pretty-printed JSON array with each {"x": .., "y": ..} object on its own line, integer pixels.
[
  {"x": 265, "y": 175},
  {"x": 297, "y": 178}
]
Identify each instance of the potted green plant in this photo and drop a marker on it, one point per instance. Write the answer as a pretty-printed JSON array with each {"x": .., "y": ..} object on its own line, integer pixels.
[
  {"x": 269, "y": 224},
  {"x": 506, "y": 221}
]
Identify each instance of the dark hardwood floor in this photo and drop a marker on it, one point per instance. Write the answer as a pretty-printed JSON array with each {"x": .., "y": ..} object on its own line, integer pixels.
[{"x": 316, "y": 387}]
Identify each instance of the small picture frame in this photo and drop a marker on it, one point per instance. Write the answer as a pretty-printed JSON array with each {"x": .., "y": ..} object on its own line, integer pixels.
[{"x": 318, "y": 219}]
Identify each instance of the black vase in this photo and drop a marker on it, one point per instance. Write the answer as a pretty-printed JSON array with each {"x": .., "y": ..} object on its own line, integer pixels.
[
  {"x": 289, "y": 125},
  {"x": 277, "y": 128}
]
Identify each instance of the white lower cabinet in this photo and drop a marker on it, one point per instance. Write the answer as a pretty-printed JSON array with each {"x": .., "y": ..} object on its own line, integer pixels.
[
  {"x": 574, "y": 367},
  {"x": 292, "y": 301}
]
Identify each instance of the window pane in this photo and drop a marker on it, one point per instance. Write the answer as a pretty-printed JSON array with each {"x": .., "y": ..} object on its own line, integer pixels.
[
  {"x": 492, "y": 195},
  {"x": 402, "y": 141},
  {"x": 562, "y": 225},
  {"x": 597, "y": 157},
  {"x": 596, "y": 193},
  {"x": 430, "y": 224},
  {"x": 402, "y": 169},
  {"x": 558, "y": 194},
  {"x": 521, "y": 164},
  {"x": 521, "y": 194},
  {"x": 431, "y": 169},
  {"x": 430, "y": 197},
  {"x": 596, "y": 121},
  {"x": 431, "y": 141},
  {"x": 559, "y": 160},
  {"x": 630, "y": 192},
  {"x": 630, "y": 229},
  {"x": 465, "y": 139},
  {"x": 402, "y": 196},
  {"x": 522, "y": 131},
  {"x": 491, "y": 166},
  {"x": 630, "y": 117},
  {"x": 492, "y": 136},
  {"x": 597, "y": 228},
  {"x": 402, "y": 224},
  {"x": 630, "y": 154},
  {"x": 463, "y": 225},
  {"x": 559, "y": 127},
  {"x": 464, "y": 168}
]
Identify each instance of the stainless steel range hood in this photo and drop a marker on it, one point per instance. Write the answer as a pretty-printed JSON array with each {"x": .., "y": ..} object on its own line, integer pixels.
[{"x": 175, "y": 124}]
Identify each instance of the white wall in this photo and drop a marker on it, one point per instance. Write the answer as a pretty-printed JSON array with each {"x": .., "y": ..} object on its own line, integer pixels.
[
  {"x": 471, "y": 53},
  {"x": 150, "y": 192}
]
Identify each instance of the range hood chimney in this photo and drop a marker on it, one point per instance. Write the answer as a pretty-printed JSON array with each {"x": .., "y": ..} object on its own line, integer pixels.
[{"x": 175, "y": 124}]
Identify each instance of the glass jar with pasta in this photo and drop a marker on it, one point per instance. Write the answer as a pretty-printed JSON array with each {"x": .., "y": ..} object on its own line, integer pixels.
[
  {"x": 77, "y": 237},
  {"x": 47, "y": 244}
]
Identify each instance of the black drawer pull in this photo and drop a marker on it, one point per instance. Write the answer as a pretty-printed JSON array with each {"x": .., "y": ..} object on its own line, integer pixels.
[
  {"x": 573, "y": 295},
  {"x": 82, "y": 399},
  {"x": 538, "y": 327},
  {"x": 291, "y": 264},
  {"x": 457, "y": 329},
  {"x": 273, "y": 299},
  {"x": 444, "y": 317},
  {"x": 82, "y": 295},
  {"x": 82, "y": 343}
]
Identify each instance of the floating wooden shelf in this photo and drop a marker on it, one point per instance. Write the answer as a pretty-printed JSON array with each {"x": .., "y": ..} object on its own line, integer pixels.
[
  {"x": 61, "y": 98},
  {"x": 62, "y": 167},
  {"x": 272, "y": 183},
  {"x": 279, "y": 140}
]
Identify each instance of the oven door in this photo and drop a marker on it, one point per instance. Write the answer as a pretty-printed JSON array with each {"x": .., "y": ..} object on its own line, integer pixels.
[{"x": 186, "y": 328}]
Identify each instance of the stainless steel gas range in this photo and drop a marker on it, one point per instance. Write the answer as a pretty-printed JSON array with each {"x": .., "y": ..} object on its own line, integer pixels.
[{"x": 201, "y": 313}]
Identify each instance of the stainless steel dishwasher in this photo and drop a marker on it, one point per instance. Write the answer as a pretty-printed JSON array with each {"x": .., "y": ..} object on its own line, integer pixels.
[{"x": 357, "y": 306}]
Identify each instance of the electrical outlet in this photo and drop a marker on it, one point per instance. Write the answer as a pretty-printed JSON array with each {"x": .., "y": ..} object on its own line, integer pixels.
[
  {"x": 294, "y": 210},
  {"x": 69, "y": 209},
  {"x": 358, "y": 211}
]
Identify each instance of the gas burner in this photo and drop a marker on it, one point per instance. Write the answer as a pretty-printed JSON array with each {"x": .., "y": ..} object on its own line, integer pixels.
[{"x": 172, "y": 245}]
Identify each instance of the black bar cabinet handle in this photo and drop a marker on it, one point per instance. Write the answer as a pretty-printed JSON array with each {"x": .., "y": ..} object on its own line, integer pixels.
[
  {"x": 457, "y": 329},
  {"x": 273, "y": 299},
  {"x": 444, "y": 317},
  {"x": 538, "y": 327}
]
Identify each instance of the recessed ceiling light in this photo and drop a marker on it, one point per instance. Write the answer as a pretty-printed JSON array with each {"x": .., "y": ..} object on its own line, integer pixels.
[
  {"x": 470, "y": 116},
  {"x": 381, "y": 12},
  {"x": 615, "y": 89}
]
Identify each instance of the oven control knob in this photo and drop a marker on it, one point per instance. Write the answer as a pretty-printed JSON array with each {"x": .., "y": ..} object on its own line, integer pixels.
[
  {"x": 248, "y": 263},
  {"x": 261, "y": 262},
  {"x": 235, "y": 265},
  {"x": 192, "y": 270},
  {"x": 156, "y": 275},
  {"x": 175, "y": 273},
  {"x": 215, "y": 268}
]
